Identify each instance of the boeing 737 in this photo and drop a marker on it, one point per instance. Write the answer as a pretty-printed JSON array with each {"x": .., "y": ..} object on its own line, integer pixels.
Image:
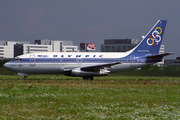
[{"x": 89, "y": 64}]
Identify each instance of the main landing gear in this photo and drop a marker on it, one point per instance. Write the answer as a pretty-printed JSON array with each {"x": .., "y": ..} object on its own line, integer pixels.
[
  {"x": 25, "y": 77},
  {"x": 88, "y": 78}
]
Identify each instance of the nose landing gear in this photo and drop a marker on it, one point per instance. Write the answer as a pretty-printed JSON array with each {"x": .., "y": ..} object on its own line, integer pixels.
[{"x": 23, "y": 74}]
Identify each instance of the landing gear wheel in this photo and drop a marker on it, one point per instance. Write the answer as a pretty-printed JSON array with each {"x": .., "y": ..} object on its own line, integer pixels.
[
  {"x": 25, "y": 77},
  {"x": 85, "y": 78},
  {"x": 91, "y": 78}
]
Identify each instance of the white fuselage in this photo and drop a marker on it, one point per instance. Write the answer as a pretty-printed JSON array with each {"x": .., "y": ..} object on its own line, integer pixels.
[{"x": 56, "y": 62}]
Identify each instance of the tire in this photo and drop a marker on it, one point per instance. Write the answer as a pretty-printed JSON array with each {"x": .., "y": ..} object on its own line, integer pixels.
[{"x": 25, "y": 77}]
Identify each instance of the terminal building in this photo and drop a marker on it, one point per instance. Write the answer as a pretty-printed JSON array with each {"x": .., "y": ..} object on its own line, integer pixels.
[
  {"x": 11, "y": 49},
  {"x": 58, "y": 45},
  {"x": 7, "y": 48},
  {"x": 172, "y": 62},
  {"x": 118, "y": 45},
  {"x": 45, "y": 46}
]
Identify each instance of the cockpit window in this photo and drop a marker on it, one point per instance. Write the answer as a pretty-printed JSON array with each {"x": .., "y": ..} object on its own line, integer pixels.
[{"x": 17, "y": 59}]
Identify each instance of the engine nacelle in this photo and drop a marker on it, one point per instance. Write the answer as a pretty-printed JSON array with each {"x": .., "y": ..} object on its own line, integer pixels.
[{"x": 79, "y": 73}]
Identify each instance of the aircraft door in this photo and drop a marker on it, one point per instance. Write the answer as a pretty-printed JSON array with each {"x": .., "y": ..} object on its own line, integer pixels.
[
  {"x": 79, "y": 61},
  {"x": 32, "y": 60},
  {"x": 132, "y": 61}
]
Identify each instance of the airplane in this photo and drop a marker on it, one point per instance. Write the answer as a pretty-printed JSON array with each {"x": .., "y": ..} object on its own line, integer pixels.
[{"x": 90, "y": 64}]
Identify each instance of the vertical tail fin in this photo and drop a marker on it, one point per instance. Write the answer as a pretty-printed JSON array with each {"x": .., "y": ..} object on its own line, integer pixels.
[{"x": 152, "y": 41}]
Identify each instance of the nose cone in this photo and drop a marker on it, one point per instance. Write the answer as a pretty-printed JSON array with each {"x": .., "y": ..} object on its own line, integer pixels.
[
  {"x": 6, "y": 65},
  {"x": 9, "y": 65}
]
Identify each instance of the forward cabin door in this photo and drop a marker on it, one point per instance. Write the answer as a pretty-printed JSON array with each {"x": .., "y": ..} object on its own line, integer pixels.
[
  {"x": 79, "y": 61},
  {"x": 32, "y": 60}
]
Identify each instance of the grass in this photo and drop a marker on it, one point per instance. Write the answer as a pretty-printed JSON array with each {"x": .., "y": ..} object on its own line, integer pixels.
[
  {"x": 128, "y": 95},
  {"x": 99, "y": 99},
  {"x": 110, "y": 77}
]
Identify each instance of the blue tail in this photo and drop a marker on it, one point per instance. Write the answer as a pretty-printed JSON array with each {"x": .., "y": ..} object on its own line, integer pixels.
[{"x": 152, "y": 41}]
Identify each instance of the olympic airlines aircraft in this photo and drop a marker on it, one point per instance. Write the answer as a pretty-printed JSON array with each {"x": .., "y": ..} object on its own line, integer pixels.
[{"x": 89, "y": 64}]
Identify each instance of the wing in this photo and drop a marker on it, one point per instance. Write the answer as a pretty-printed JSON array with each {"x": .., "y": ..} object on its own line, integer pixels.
[
  {"x": 98, "y": 67},
  {"x": 93, "y": 67}
]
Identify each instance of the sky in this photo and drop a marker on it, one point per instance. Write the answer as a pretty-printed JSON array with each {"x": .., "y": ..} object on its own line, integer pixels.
[{"x": 89, "y": 21}]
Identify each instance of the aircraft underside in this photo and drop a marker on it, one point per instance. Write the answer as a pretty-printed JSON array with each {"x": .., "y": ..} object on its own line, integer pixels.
[{"x": 24, "y": 69}]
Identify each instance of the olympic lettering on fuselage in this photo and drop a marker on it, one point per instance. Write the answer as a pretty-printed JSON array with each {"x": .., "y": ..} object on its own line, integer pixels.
[
  {"x": 72, "y": 56},
  {"x": 155, "y": 37}
]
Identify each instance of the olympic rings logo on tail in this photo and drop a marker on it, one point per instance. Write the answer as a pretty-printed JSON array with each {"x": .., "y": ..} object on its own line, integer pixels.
[{"x": 155, "y": 38}]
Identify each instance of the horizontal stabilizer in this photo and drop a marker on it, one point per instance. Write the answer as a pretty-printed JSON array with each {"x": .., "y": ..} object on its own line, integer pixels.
[{"x": 159, "y": 56}]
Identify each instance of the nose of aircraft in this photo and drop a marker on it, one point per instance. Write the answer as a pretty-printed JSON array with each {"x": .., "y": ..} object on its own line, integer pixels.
[
  {"x": 10, "y": 66},
  {"x": 6, "y": 65}
]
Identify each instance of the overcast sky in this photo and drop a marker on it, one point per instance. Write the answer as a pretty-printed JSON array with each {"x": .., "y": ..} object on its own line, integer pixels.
[{"x": 89, "y": 20}]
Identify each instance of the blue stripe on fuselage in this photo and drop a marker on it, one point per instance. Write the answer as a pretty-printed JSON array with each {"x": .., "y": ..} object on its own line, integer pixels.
[{"x": 84, "y": 60}]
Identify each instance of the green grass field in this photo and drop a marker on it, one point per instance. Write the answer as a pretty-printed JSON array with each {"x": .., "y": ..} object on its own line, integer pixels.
[
  {"x": 128, "y": 95},
  {"x": 98, "y": 99}
]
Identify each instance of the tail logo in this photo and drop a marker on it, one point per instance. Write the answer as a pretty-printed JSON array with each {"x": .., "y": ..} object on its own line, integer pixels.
[{"x": 155, "y": 37}]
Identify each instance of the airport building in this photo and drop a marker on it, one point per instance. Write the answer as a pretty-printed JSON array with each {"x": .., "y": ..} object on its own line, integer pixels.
[
  {"x": 172, "y": 62},
  {"x": 58, "y": 45},
  {"x": 118, "y": 45},
  {"x": 45, "y": 46},
  {"x": 7, "y": 48},
  {"x": 11, "y": 49}
]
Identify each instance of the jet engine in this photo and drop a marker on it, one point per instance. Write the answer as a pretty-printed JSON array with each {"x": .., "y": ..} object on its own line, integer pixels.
[{"x": 80, "y": 73}]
